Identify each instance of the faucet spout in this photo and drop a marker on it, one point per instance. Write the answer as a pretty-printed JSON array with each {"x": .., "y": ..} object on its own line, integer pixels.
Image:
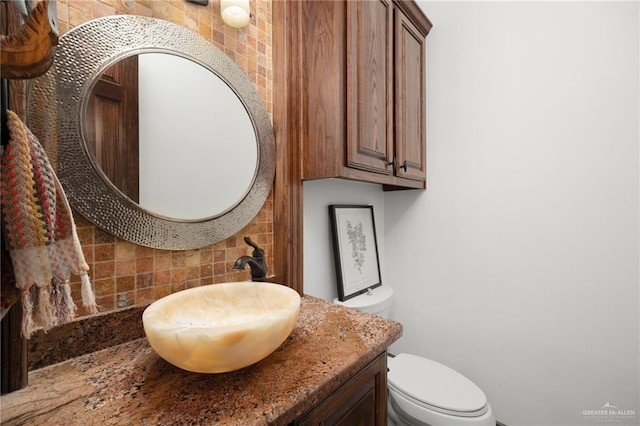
[
  {"x": 256, "y": 262},
  {"x": 258, "y": 267}
]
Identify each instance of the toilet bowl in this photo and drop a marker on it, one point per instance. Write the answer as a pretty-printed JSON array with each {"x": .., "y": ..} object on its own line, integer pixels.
[
  {"x": 425, "y": 392},
  {"x": 422, "y": 391}
]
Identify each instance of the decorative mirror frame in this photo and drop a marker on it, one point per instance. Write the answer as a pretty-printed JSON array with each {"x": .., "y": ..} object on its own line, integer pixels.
[{"x": 57, "y": 107}]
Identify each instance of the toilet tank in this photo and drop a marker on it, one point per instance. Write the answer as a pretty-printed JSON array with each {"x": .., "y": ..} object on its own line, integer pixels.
[{"x": 376, "y": 301}]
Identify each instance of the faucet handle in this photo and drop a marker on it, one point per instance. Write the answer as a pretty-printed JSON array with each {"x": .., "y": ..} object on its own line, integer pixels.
[{"x": 257, "y": 251}]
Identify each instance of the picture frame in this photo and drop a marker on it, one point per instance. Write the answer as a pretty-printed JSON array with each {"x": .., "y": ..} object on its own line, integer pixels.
[{"x": 355, "y": 248}]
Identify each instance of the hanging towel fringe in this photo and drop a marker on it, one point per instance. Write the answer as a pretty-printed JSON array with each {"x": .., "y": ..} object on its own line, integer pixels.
[
  {"x": 62, "y": 300},
  {"x": 27, "y": 314},
  {"x": 88, "y": 296},
  {"x": 81, "y": 267},
  {"x": 40, "y": 233}
]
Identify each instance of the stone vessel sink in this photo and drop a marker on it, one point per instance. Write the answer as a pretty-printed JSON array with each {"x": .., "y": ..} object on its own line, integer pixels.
[{"x": 221, "y": 327}]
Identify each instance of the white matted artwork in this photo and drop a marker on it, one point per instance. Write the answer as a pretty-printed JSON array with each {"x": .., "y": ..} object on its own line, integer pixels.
[{"x": 355, "y": 249}]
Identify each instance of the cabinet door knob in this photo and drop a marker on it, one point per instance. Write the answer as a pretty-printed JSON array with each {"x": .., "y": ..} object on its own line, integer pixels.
[
  {"x": 392, "y": 163},
  {"x": 403, "y": 166}
]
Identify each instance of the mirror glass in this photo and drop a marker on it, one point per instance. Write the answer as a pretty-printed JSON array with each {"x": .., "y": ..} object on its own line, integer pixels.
[
  {"x": 193, "y": 136},
  {"x": 203, "y": 158}
]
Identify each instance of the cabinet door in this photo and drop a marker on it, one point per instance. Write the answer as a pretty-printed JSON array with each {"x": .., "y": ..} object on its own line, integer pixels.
[
  {"x": 410, "y": 103},
  {"x": 370, "y": 85},
  {"x": 361, "y": 401}
]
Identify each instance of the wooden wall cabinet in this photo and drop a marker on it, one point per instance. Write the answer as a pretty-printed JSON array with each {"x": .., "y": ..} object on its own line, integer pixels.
[
  {"x": 362, "y": 400},
  {"x": 349, "y": 89},
  {"x": 362, "y": 71}
]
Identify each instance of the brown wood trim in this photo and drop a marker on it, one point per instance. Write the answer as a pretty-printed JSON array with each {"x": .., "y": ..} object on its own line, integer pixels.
[
  {"x": 392, "y": 181},
  {"x": 415, "y": 14},
  {"x": 14, "y": 351},
  {"x": 323, "y": 60},
  {"x": 287, "y": 113}
]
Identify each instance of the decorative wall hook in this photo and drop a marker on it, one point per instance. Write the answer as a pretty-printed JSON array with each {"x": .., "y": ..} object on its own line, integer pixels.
[{"x": 29, "y": 52}]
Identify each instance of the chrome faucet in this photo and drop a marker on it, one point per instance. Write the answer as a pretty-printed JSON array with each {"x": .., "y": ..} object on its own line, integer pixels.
[{"x": 257, "y": 262}]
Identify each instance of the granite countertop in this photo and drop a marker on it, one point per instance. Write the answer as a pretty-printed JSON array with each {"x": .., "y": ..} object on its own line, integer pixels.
[{"x": 130, "y": 384}]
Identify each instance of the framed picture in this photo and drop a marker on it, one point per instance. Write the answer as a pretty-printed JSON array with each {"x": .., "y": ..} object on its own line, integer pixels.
[{"x": 355, "y": 249}]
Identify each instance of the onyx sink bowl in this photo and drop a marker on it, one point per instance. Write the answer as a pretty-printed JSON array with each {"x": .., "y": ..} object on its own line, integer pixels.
[{"x": 221, "y": 327}]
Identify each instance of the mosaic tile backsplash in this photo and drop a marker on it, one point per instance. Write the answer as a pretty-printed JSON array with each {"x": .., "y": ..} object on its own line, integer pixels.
[{"x": 125, "y": 274}]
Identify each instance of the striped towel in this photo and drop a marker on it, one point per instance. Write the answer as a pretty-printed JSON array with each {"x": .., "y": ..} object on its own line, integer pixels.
[{"x": 39, "y": 233}]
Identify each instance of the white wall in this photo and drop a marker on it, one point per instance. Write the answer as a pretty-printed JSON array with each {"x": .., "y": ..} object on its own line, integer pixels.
[
  {"x": 525, "y": 268},
  {"x": 319, "y": 268},
  {"x": 519, "y": 266}
]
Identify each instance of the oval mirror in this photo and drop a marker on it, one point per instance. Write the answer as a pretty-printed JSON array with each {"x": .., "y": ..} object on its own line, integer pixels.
[
  {"x": 206, "y": 139},
  {"x": 183, "y": 165}
]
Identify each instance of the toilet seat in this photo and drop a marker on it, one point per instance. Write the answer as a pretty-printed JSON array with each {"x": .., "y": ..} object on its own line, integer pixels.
[{"x": 435, "y": 387}]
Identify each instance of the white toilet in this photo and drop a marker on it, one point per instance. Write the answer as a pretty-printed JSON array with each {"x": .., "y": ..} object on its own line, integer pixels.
[{"x": 422, "y": 391}]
